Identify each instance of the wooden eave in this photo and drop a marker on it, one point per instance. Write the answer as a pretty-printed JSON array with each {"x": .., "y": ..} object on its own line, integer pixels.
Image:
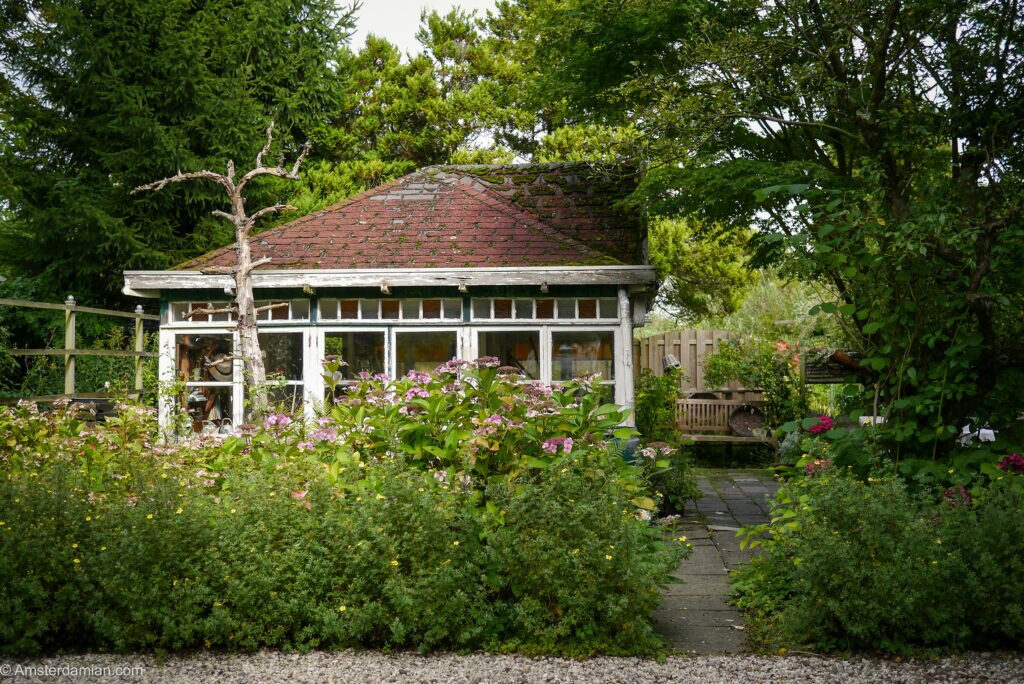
[{"x": 151, "y": 283}]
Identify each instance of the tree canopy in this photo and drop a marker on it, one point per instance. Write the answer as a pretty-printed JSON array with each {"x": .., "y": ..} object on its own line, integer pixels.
[{"x": 875, "y": 146}]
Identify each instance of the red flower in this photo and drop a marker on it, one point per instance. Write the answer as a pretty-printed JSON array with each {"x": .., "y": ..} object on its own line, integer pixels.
[{"x": 824, "y": 425}]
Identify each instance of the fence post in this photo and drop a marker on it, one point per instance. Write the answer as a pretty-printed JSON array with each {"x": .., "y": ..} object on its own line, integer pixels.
[
  {"x": 69, "y": 346},
  {"x": 140, "y": 346}
]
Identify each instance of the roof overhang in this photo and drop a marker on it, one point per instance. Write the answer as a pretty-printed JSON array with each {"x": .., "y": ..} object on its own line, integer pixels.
[{"x": 151, "y": 283}]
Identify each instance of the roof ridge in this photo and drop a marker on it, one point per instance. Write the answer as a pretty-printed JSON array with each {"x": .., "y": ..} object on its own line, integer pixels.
[{"x": 532, "y": 221}]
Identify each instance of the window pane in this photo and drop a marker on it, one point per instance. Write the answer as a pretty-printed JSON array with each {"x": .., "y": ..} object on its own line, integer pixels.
[
  {"x": 576, "y": 353},
  {"x": 423, "y": 351},
  {"x": 567, "y": 308},
  {"x": 179, "y": 311},
  {"x": 545, "y": 308},
  {"x": 503, "y": 308},
  {"x": 279, "y": 312},
  {"x": 350, "y": 309},
  {"x": 199, "y": 318},
  {"x": 300, "y": 310},
  {"x": 282, "y": 354},
  {"x": 524, "y": 308},
  {"x": 389, "y": 309},
  {"x": 329, "y": 309},
  {"x": 609, "y": 308},
  {"x": 362, "y": 351},
  {"x": 453, "y": 308},
  {"x": 431, "y": 308},
  {"x": 588, "y": 308},
  {"x": 204, "y": 358},
  {"x": 481, "y": 308},
  {"x": 410, "y": 309},
  {"x": 209, "y": 409},
  {"x": 369, "y": 308},
  {"x": 518, "y": 349}
]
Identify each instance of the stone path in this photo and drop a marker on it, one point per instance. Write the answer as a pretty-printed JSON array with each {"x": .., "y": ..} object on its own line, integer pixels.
[{"x": 695, "y": 616}]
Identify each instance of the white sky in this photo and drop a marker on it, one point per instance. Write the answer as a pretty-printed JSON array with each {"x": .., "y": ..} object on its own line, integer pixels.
[{"x": 398, "y": 20}]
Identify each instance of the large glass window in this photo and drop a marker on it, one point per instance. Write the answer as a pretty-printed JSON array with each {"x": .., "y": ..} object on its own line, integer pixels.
[
  {"x": 205, "y": 363},
  {"x": 362, "y": 351},
  {"x": 519, "y": 349},
  {"x": 282, "y": 359},
  {"x": 424, "y": 351},
  {"x": 575, "y": 353}
]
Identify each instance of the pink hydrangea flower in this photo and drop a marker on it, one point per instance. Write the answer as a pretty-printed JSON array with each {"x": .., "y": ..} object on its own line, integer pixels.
[{"x": 416, "y": 392}]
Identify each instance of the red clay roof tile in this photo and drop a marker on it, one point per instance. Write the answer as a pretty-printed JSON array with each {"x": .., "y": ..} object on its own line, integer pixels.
[{"x": 457, "y": 216}]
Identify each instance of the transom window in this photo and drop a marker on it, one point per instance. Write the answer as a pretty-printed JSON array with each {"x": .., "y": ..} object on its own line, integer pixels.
[
  {"x": 390, "y": 309},
  {"x": 497, "y": 308}
]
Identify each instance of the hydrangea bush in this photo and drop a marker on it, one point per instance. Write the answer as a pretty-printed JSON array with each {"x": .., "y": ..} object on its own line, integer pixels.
[{"x": 458, "y": 509}]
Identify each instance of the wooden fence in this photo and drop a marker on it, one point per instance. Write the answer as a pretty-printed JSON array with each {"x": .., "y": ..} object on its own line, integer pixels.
[
  {"x": 691, "y": 348},
  {"x": 70, "y": 351}
]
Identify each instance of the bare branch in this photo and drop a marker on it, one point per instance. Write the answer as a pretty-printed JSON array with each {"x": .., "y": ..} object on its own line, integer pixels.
[
  {"x": 306, "y": 147},
  {"x": 259, "y": 262},
  {"x": 231, "y": 170},
  {"x": 224, "y": 215},
  {"x": 266, "y": 148},
  {"x": 210, "y": 310},
  {"x": 218, "y": 270},
  {"x": 269, "y": 210},
  {"x": 180, "y": 177},
  {"x": 268, "y": 307}
]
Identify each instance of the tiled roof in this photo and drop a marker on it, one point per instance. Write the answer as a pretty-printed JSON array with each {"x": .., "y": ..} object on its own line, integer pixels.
[{"x": 462, "y": 216}]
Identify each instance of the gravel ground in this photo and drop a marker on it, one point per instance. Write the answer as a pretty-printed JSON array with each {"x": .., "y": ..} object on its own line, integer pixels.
[{"x": 376, "y": 667}]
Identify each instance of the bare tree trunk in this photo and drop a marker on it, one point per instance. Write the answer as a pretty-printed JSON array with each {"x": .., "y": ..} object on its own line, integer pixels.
[{"x": 245, "y": 309}]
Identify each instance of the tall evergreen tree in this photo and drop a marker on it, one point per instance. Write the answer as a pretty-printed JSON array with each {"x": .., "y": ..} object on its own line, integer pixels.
[{"x": 99, "y": 96}]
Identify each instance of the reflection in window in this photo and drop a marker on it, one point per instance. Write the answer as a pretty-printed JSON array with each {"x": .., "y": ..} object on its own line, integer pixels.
[
  {"x": 519, "y": 349},
  {"x": 577, "y": 353},
  {"x": 205, "y": 363},
  {"x": 362, "y": 351},
  {"x": 282, "y": 354},
  {"x": 423, "y": 351}
]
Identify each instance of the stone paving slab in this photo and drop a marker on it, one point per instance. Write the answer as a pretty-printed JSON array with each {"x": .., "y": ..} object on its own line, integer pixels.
[{"x": 695, "y": 616}]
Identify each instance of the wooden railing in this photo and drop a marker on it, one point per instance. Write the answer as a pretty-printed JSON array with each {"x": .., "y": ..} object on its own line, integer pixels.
[{"x": 70, "y": 350}]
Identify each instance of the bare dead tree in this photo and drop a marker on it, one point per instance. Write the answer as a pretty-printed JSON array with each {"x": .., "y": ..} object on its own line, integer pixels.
[{"x": 244, "y": 307}]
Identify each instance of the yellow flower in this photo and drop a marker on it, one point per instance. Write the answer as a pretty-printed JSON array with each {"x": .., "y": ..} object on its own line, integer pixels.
[
  {"x": 394, "y": 562},
  {"x": 74, "y": 546},
  {"x": 103, "y": 548},
  {"x": 149, "y": 516},
  {"x": 232, "y": 510},
  {"x": 77, "y": 561},
  {"x": 935, "y": 562},
  {"x": 607, "y": 557},
  {"x": 341, "y": 609},
  {"x": 88, "y": 518},
  {"x": 455, "y": 543},
  {"x": 178, "y": 512},
  {"x": 683, "y": 538},
  {"x": 2, "y": 522},
  {"x": 381, "y": 497},
  {"x": 938, "y": 541}
]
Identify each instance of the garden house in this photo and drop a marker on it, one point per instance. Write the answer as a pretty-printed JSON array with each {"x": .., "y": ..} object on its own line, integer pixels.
[{"x": 538, "y": 265}]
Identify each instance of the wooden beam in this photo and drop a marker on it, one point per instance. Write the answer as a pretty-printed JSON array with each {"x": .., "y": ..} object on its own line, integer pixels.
[
  {"x": 25, "y": 304},
  {"x": 80, "y": 352},
  {"x": 79, "y": 395},
  {"x": 143, "y": 283}
]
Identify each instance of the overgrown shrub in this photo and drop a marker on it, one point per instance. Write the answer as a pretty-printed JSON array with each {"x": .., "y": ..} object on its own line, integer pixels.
[
  {"x": 363, "y": 530},
  {"x": 656, "y": 399},
  {"x": 852, "y": 564}
]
